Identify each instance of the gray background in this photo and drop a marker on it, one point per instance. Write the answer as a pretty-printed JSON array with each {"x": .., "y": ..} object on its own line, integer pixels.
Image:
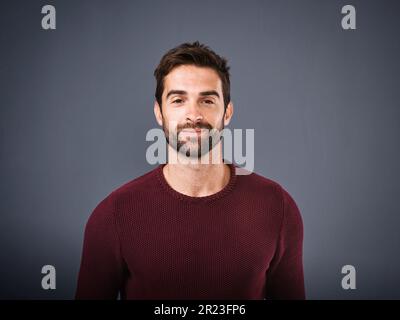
[{"x": 76, "y": 104}]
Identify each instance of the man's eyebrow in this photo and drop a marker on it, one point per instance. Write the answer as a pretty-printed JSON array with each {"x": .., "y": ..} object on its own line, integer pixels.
[
  {"x": 203, "y": 93},
  {"x": 171, "y": 92},
  {"x": 209, "y": 93}
]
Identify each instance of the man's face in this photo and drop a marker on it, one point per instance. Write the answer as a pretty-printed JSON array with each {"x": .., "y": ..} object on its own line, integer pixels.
[{"x": 193, "y": 110}]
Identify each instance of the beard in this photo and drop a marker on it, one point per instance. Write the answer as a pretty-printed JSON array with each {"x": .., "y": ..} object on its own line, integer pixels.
[{"x": 193, "y": 146}]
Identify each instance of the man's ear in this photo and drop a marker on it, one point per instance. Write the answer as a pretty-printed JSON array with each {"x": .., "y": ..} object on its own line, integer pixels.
[
  {"x": 228, "y": 113},
  {"x": 157, "y": 113}
]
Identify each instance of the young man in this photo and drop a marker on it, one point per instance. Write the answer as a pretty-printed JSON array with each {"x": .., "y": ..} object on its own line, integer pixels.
[{"x": 194, "y": 229}]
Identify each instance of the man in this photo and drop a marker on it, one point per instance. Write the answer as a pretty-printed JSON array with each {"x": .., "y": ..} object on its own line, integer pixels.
[{"x": 194, "y": 229}]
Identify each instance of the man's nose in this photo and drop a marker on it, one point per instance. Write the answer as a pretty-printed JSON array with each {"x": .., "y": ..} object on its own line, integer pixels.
[{"x": 193, "y": 112}]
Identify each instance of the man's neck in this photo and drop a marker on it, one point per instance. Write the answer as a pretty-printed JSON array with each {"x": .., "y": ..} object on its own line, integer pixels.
[{"x": 197, "y": 180}]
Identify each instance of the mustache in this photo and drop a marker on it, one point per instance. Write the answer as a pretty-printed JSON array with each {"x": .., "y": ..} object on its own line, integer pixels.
[{"x": 200, "y": 125}]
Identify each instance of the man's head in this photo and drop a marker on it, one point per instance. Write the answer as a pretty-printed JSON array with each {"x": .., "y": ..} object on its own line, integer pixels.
[{"x": 193, "y": 92}]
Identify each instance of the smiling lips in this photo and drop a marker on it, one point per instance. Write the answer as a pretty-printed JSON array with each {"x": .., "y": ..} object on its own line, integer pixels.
[{"x": 192, "y": 131}]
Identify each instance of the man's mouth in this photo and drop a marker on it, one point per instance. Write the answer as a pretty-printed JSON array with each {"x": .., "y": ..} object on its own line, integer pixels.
[{"x": 192, "y": 131}]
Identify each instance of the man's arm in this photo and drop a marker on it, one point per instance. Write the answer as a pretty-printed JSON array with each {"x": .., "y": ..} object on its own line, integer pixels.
[
  {"x": 285, "y": 278},
  {"x": 101, "y": 269}
]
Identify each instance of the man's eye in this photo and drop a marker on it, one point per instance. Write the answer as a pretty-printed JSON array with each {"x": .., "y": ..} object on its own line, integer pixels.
[
  {"x": 177, "y": 101},
  {"x": 208, "y": 101}
]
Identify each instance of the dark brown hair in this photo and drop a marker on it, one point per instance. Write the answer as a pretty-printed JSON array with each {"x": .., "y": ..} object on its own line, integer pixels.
[{"x": 192, "y": 54}]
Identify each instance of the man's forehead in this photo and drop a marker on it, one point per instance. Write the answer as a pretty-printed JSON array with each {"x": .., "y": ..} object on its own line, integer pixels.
[{"x": 194, "y": 78}]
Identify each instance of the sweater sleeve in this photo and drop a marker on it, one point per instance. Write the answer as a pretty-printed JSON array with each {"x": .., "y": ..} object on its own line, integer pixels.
[
  {"x": 101, "y": 269},
  {"x": 285, "y": 278}
]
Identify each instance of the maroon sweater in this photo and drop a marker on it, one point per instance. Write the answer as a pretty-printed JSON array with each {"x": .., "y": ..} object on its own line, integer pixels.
[{"x": 148, "y": 241}]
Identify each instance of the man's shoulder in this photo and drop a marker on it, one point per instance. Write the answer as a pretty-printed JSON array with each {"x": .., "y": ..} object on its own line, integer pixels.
[
  {"x": 256, "y": 181},
  {"x": 143, "y": 182},
  {"x": 262, "y": 185},
  {"x": 134, "y": 187}
]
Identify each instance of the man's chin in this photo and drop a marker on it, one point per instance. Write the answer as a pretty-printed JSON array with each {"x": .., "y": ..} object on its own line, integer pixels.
[{"x": 190, "y": 152}]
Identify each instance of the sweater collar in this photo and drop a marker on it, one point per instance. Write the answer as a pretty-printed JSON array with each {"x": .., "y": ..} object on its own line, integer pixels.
[{"x": 180, "y": 196}]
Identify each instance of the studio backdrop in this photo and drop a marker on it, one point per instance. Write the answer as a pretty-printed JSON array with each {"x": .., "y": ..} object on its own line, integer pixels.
[{"x": 318, "y": 83}]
